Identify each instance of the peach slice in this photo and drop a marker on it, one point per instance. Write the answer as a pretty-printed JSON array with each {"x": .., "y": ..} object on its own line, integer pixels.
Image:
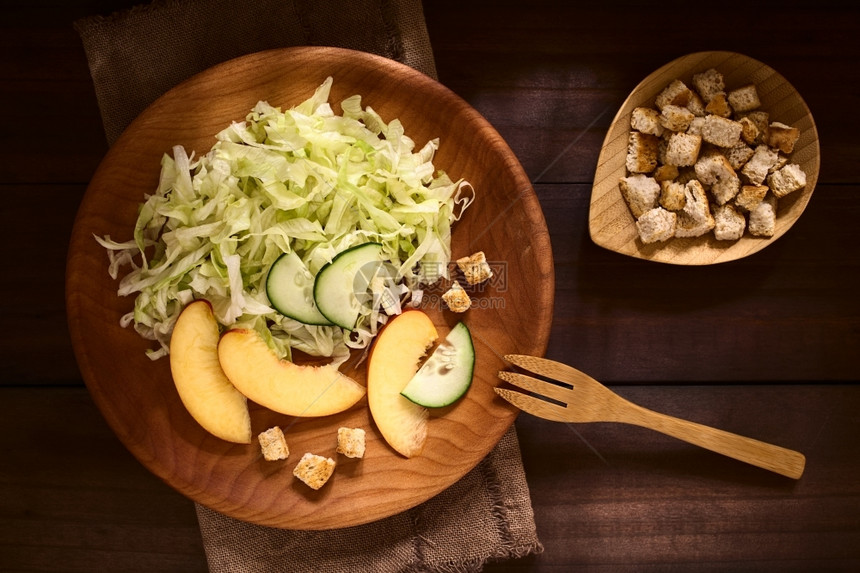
[
  {"x": 280, "y": 385},
  {"x": 392, "y": 363},
  {"x": 203, "y": 387}
]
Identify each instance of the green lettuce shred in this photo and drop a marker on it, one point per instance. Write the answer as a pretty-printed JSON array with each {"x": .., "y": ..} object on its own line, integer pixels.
[{"x": 303, "y": 180}]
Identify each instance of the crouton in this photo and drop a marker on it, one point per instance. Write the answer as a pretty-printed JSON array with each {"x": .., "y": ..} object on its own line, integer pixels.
[
  {"x": 655, "y": 225},
  {"x": 762, "y": 221},
  {"x": 695, "y": 219},
  {"x": 761, "y": 120},
  {"x": 475, "y": 268},
  {"x": 719, "y": 105},
  {"x": 787, "y": 180},
  {"x": 457, "y": 299},
  {"x": 314, "y": 470},
  {"x": 686, "y": 226},
  {"x": 682, "y": 149},
  {"x": 273, "y": 444},
  {"x": 744, "y": 98},
  {"x": 750, "y": 196},
  {"x": 646, "y": 120},
  {"x": 782, "y": 137},
  {"x": 696, "y": 126},
  {"x": 696, "y": 204},
  {"x": 676, "y": 93},
  {"x": 720, "y": 131},
  {"x": 672, "y": 196},
  {"x": 749, "y": 130},
  {"x": 756, "y": 169},
  {"x": 738, "y": 155},
  {"x": 726, "y": 188},
  {"x": 641, "y": 152},
  {"x": 781, "y": 161},
  {"x": 641, "y": 193},
  {"x": 696, "y": 105},
  {"x": 714, "y": 169},
  {"x": 708, "y": 83},
  {"x": 665, "y": 173},
  {"x": 675, "y": 118},
  {"x": 729, "y": 223},
  {"x": 351, "y": 442}
]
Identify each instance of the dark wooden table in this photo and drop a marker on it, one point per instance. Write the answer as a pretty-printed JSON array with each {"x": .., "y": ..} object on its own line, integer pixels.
[{"x": 766, "y": 346}]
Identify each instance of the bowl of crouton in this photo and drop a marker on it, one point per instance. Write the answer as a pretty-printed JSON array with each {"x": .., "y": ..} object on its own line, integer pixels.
[{"x": 710, "y": 159}]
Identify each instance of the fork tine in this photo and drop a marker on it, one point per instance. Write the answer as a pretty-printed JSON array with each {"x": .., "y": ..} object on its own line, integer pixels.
[
  {"x": 537, "y": 386},
  {"x": 550, "y": 369},
  {"x": 534, "y": 406}
]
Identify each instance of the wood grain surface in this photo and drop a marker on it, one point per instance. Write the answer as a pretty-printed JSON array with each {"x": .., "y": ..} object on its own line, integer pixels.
[
  {"x": 137, "y": 395},
  {"x": 764, "y": 346}
]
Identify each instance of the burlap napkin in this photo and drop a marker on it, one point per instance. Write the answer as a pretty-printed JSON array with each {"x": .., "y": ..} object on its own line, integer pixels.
[{"x": 137, "y": 55}]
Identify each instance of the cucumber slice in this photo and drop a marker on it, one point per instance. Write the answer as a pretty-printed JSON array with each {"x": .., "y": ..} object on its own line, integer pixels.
[
  {"x": 290, "y": 288},
  {"x": 447, "y": 374},
  {"x": 340, "y": 288}
]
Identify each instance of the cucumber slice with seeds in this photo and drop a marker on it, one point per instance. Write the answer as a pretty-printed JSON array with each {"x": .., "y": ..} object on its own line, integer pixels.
[
  {"x": 290, "y": 288},
  {"x": 340, "y": 288},
  {"x": 447, "y": 374}
]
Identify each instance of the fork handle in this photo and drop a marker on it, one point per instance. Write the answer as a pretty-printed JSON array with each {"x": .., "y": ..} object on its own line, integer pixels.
[{"x": 761, "y": 454}]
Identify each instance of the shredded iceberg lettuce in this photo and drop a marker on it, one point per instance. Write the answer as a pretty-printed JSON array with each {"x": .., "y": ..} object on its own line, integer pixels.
[{"x": 303, "y": 180}]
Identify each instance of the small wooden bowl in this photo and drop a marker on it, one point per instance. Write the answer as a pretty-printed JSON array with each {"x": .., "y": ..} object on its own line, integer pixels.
[
  {"x": 512, "y": 315},
  {"x": 611, "y": 224}
]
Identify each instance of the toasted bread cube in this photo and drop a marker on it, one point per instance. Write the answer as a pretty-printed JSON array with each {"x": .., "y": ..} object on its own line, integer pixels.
[
  {"x": 696, "y": 105},
  {"x": 763, "y": 218},
  {"x": 720, "y": 131},
  {"x": 641, "y": 193},
  {"x": 730, "y": 223},
  {"x": 781, "y": 161},
  {"x": 787, "y": 180},
  {"x": 687, "y": 226},
  {"x": 744, "y": 98},
  {"x": 314, "y": 470},
  {"x": 749, "y": 130},
  {"x": 712, "y": 165},
  {"x": 641, "y": 152},
  {"x": 696, "y": 126},
  {"x": 475, "y": 268},
  {"x": 665, "y": 173},
  {"x": 761, "y": 120},
  {"x": 676, "y": 93},
  {"x": 675, "y": 118},
  {"x": 782, "y": 137},
  {"x": 457, "y": 299},
  {"x": 672, "y": 197},
  {"x": 682, "y": 149},
  {"x": 695, "y": 219},
  {"x": 719, "y": 105},
  {"x": 273, "y": 444},
  {"x": 655, "y": 225},
  {"x": 696, "y": 204},
  {"x": 726, "y": 189},
  {"x": 350, "y": 442},
  {"x": 757, "y": 168},
  {"x": 738, "y": 155},
  {"x": 646, "y": 120},
  {"x": 750, "y": 196},
  {"x": 708, "y": 84}
]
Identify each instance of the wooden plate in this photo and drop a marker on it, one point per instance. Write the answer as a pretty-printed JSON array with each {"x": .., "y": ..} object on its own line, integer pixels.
[
  {"x": 610, "y": 222},
  {"x": 137, "y": 396}
]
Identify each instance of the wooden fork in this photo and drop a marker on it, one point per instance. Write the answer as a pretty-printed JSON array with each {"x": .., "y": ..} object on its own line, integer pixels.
[{"x": 587, "y": 400}]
